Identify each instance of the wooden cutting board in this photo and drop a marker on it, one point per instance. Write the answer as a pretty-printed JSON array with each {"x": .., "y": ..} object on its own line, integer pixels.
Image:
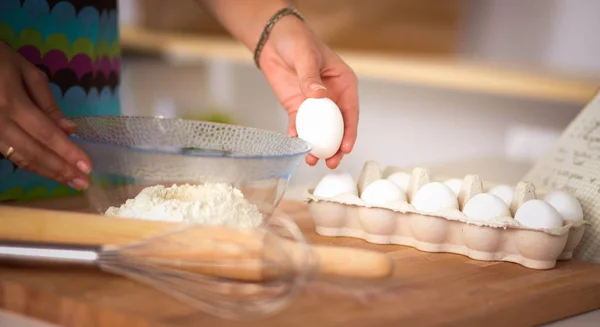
[{"x": 438, "y": 289}]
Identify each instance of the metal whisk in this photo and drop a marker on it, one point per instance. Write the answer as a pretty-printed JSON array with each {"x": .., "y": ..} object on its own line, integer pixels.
[
  {"x": 229, "y": 272},
  {"x": 249, "y": 275}
]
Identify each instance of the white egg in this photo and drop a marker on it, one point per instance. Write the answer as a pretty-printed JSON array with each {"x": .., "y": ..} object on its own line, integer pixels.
[
  {"x": 505, "y": 192},
  {"x": 538, "y": 214},
  {"x": 434, "y": 197},
  {"x": 401, "y": 179},
  {"x": 335, "y": 183},
  {"x": 381, "y": 192},
  {"x": 319, "y": 123},
  {"x": 566, "y": 204},
  {"x": 454, "y": 184},
  {"x": 485, "y": 207}
]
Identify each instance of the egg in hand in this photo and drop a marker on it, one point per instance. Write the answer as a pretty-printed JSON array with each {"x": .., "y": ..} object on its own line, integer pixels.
[{"x": 319, "y": 123}]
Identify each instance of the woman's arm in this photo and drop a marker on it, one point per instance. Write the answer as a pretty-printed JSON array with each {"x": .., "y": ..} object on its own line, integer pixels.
[
  {"x": 244, "y": 19},
  {"x": 295, "y": 62}
]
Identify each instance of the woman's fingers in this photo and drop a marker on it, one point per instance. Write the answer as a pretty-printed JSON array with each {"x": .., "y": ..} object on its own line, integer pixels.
[
  {"x": 348, "y": 104},
  {"x": 29, "y": 124},
  {"x": 292, "y": 123},
  {"x": 44, "y": 131},
  {"x": 334, "y": 161},
  {"x": 311, "y": 160},
  {"x": 36, "y": 85},
  {"x": 308, "y": 69},
  {"x": 31, "y": 155},
  {"x": 345, "y": 91}
]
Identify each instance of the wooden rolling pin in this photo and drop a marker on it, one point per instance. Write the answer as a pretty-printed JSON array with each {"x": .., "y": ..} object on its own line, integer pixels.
[{"x": 188, "y": 245}]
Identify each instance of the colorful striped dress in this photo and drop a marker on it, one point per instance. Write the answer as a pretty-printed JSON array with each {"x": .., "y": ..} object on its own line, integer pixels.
[{"x": 76, "y": 42}]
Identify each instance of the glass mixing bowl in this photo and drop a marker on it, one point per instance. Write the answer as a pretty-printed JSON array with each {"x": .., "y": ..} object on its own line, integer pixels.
[{"x": 131, "y": 153}]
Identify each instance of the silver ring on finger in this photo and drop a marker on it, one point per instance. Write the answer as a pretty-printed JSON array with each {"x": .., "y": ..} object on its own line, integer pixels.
[{"x": 8, "y": 153}]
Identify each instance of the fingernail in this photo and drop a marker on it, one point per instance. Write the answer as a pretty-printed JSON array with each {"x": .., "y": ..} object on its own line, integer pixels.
[
  {"x": 84, "y": 167},
  {"x": 78, "y": 184},
  {"x": 347, "y": 147},
  {"x": 66, "y": 123},
  {"x": 317, "y": 87}
]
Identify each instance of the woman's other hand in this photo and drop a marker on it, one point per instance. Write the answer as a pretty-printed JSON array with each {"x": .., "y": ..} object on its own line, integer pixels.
[{"x": 33, "y": 127}]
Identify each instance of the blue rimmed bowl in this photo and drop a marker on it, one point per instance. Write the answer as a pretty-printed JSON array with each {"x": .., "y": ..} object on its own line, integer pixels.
[{"x": 130, "y": 153}]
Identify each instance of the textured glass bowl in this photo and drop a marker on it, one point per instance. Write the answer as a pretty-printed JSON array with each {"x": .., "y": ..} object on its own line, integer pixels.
[{"x": 131, "y": 153}]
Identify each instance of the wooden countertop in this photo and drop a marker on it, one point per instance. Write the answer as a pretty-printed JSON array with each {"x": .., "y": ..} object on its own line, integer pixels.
[
  {"x": 451, "y": 73},
  {"x": 438, "y": 289}
]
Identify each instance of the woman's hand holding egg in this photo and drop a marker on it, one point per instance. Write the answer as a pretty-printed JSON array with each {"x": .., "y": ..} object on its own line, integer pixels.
[{"x": 300, "y": 67}]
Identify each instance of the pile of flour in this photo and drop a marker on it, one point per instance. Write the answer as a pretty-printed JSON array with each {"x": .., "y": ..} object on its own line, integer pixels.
[{"x": 207, "y": 204}]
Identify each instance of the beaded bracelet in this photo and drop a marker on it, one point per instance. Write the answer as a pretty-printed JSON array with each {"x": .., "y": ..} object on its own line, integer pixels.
[{"x": 265, "y": 33}]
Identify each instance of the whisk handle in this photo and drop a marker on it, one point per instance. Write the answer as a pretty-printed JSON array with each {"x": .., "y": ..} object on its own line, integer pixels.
[
  {"x": 37, "y": 253},
  {"x": 346, "y": 262}
]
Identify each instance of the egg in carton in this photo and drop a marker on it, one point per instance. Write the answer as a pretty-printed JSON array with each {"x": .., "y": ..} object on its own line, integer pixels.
[{"x": 466, "y": 216}]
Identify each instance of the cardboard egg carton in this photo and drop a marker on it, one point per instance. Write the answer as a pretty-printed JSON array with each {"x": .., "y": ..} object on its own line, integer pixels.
[{"x": 450, "y": 231}]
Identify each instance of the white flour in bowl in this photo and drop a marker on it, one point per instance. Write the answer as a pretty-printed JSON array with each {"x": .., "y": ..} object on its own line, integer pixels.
[{"x": 208, "y": 204}]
